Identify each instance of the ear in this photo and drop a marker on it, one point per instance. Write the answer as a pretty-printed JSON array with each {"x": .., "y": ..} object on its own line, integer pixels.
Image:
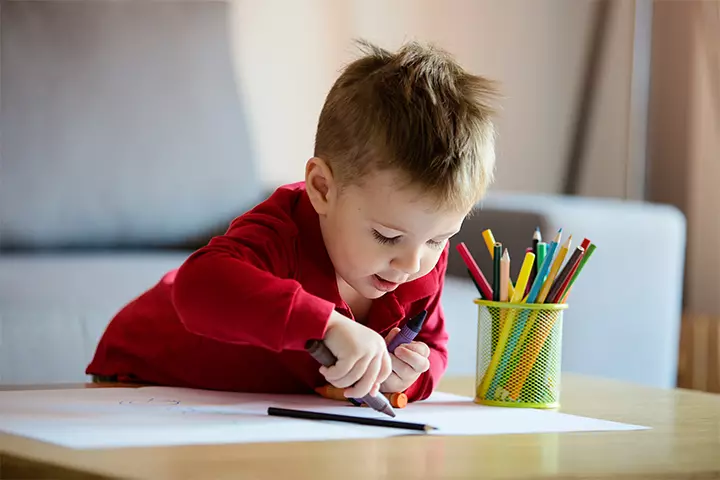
[{"x": 320, "y": 184}]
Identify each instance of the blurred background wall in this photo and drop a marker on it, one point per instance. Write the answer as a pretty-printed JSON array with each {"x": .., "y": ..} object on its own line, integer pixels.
[{"x": 536, "y": 49}]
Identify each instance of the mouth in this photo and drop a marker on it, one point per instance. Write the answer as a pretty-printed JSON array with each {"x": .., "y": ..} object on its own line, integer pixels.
[{"x": 384, "y": 285}]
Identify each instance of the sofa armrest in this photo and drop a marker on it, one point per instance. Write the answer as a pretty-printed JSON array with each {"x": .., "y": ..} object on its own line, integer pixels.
[{"x": 624, "y": 312}]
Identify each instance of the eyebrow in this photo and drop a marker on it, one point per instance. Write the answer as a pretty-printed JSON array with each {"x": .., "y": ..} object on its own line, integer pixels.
[{"x": 448, "y": 234}]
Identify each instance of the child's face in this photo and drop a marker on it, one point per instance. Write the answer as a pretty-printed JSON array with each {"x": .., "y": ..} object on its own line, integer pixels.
[{"x": 379, "y": 236}]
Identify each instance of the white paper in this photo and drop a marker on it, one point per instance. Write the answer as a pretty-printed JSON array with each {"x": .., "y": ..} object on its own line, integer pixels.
[{"x": 97, "y": 418}]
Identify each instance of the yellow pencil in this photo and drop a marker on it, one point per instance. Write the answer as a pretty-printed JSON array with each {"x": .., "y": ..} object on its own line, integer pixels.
[
  {"x": 490, "y": 244},
  {"x": 489, "y": 240},
  {"x": 523, "y": 277},
  {"x": 559, "y": 259}
]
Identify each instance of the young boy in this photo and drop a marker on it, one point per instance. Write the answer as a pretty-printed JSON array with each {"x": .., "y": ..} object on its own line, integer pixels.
[{"x": 404, "y": 149}]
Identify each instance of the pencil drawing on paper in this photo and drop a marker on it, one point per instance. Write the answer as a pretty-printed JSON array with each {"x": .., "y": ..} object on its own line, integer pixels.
[{"x": 153, "y": 402}]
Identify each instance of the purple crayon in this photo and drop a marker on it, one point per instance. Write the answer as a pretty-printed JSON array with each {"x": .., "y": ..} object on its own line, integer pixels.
[{"x": 408, "y": 333}]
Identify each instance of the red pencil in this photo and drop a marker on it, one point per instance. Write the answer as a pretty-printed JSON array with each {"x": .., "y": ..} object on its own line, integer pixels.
[
  {"x": 585, "y": 244},
  {"x": 558, "y": 290},
  {"x": 480, "y": 279}
]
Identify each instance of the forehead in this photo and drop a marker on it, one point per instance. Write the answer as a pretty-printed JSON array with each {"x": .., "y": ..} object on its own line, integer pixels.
[{"x": 384, "y": 198}]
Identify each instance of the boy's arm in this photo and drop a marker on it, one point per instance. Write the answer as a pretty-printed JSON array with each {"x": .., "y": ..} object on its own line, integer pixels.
[
  {"x": 434, "y": 335},
  {"x": 236, "y": 289}
]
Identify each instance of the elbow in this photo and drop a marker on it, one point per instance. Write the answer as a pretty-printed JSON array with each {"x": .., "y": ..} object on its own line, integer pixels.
[{"x": 186, "y": 294}]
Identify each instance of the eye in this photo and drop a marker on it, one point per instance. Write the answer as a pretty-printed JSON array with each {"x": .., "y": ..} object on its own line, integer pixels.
[
  {"x": 435, "y": 243},
  {"x": 383, "y": 239}
]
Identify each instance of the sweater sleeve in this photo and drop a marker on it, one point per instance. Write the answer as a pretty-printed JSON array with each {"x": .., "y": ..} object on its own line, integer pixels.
[
  {"x": 434, "y": 335},
  {"x": 238, "y": 288}
]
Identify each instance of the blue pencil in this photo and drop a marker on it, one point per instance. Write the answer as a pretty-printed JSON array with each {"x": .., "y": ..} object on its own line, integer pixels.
[{"x": 544, "y": 269}]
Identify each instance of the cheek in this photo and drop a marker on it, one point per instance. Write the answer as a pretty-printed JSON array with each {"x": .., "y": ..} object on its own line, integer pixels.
[
  {"x": 428, "y": 262},
  {"x": 361, "y": 253}
]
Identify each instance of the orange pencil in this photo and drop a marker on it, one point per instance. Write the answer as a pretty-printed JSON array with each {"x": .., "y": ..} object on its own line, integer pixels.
[{"x": 529, "y": 357}]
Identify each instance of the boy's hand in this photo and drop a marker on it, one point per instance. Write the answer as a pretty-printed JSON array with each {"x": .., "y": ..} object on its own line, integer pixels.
[
  {"x": 409, "y": 361},
  {"x": 363, "y": 361}
]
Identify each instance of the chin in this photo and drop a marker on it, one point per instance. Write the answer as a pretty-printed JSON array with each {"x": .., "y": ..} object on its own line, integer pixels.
[
  {"x": 372, "y": 294},
  {"x": 367, "y": 290}
]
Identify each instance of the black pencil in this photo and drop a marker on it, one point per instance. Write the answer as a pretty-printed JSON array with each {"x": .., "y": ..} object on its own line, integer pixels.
[
  {"x": 536, "y": 238},
  {"x": 497, "y": 255},
  {"x": 376, "y": 422}
]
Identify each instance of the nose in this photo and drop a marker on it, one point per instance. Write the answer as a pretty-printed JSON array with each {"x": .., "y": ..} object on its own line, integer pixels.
[{"x": 408, "y": 261}]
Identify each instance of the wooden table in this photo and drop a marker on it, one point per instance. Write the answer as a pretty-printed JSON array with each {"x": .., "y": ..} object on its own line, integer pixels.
[{"x": 684, "y": 442}]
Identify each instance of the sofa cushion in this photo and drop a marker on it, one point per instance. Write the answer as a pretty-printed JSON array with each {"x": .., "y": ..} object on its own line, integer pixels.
[
  {"x": 121, "y": 124},
  {"x": 54, "y": 308}
]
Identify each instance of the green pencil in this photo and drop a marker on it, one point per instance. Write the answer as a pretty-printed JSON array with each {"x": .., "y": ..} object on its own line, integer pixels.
[
  {"x": 583, "y": 261},
  {"x": 540, "y": 257}
]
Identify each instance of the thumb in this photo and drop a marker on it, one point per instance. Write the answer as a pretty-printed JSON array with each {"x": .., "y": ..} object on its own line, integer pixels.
[{"x": 391, "y": 335}]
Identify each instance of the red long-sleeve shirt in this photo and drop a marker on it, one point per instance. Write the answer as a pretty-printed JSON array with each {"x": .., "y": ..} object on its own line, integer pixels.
[{"x": 237, "y": 313}]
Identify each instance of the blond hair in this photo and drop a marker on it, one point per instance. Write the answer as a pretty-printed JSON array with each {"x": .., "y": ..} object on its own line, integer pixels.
[{"x": 415, "y": 111}]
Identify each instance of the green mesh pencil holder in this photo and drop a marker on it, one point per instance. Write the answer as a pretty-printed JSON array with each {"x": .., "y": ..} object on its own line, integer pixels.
[{"x": 518, "y": 354}]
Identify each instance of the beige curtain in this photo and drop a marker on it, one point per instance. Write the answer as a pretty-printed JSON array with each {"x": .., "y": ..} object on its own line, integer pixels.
[{"x": 684, "y": 157}]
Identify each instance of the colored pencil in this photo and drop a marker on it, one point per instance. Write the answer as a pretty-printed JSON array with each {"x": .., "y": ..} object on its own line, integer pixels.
[
  {"x": 583, "y": 261},
  {"x": 539, "y": 259},
  {"x": 377, "y": 422},
  {"x": 475, "y": 271},
  {"x": 536, "y": 238},
  {"x": 563, "y": 279},
  {"x": 523, "y": 277},
  {"x": 497, "y": 255},
  {"x": 490, "y": 242},
  {"x": 559, "y": 259},
  {"x": 535, "y": 289},
  {"x": 504, "y": 276}
]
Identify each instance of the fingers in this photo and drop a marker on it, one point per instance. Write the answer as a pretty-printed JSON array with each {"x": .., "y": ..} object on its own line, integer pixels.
[
  {"x": 386, "y": 368},
  {"x": 412, "y": 359},
  {"x": 339, "y": 370},
  {"x": 394, "y": 384},
  {"x": 367, "y": 379},
  {"x": 391, "y": 335},
  {"x": 418, "y": 347},
  {"x": 342, "y": 377},
  {"x": 402, "y": 369}
]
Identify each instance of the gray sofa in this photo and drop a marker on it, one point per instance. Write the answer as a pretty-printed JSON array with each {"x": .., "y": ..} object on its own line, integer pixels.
[{"x": 125, "y": 146}]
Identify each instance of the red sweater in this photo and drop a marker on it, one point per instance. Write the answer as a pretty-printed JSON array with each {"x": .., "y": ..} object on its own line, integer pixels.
[{"x": 236, "y": 315}]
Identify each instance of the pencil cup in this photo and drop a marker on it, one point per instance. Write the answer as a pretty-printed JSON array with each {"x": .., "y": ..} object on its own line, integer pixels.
[{"x": 518, "y": 354}]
